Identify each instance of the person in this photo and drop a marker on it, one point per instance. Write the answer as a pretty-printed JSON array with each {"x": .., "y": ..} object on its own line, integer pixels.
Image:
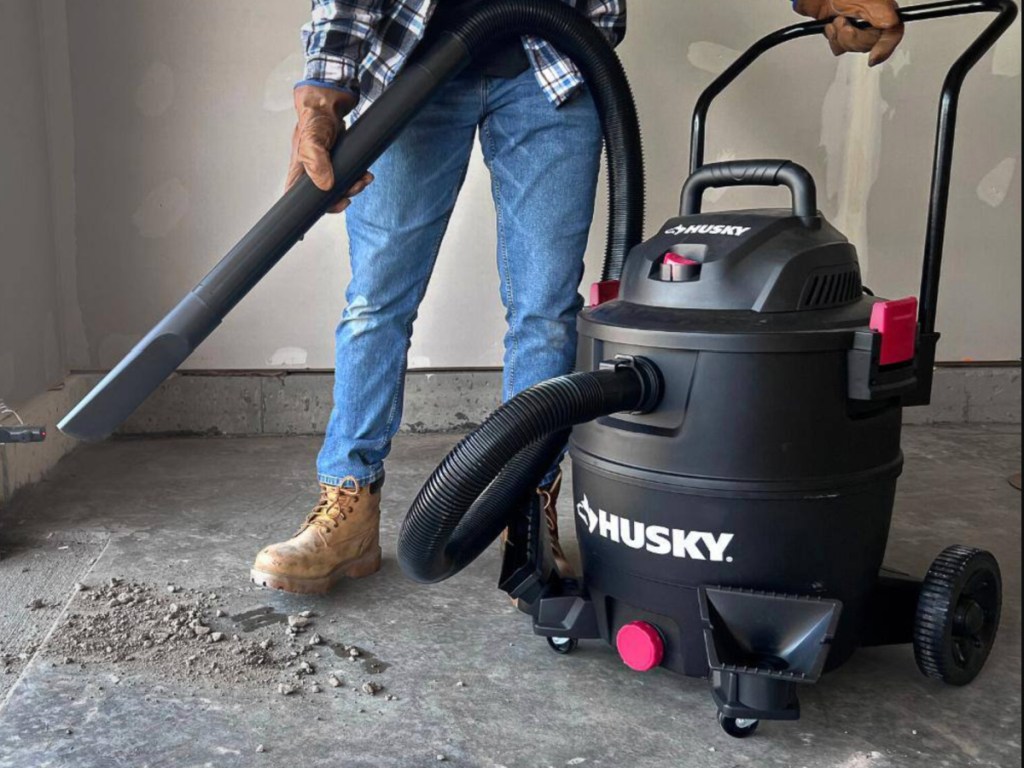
[{"x": 541, "y": 142}]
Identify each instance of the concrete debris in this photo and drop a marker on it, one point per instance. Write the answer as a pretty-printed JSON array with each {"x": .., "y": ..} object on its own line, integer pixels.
[
  {"x": 147, "y": 631},
  {"x": 137, "y": 630}
]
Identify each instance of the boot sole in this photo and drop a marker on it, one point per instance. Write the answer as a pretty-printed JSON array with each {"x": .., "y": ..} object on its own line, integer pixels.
[{"x": 359, "y": 568}]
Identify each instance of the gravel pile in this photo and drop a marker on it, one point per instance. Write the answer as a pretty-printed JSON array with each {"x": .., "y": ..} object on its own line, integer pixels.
[{"x": 184, "y": 636}]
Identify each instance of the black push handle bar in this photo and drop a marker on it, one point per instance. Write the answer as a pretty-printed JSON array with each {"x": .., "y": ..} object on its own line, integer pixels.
[
  {"x": 752, "y": 173},
  {"x": 949, "y": 102}
]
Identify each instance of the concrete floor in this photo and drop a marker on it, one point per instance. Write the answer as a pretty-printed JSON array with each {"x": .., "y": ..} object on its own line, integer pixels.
[{"x": 194, "y": 511}]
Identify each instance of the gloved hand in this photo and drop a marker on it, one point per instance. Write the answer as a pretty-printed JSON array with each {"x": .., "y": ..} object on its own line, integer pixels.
[
  {"x": 881, "y": 40},
  {"x": 321, "y": 113}
]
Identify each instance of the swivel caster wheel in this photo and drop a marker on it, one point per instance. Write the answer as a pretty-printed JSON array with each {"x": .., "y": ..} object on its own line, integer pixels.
[
  {"x": 958, "y": 615},
  {"x": 738, "y": 728},
  {"x": 563, "y": 645}
]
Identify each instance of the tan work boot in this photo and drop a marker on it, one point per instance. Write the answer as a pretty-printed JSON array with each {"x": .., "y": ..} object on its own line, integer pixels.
[
  {"x": 549, "y": 506},
  {"x": 341, "y": 537}
]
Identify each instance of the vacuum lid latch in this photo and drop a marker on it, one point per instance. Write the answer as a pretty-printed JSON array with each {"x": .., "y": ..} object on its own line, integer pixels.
[
  {"x": 896, "y": 323},
  {"x": 603, "y": 291},
  {"x": 882, "y": 364}
]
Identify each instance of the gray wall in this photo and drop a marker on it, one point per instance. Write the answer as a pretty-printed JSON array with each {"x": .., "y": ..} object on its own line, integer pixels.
[
  {"x": 31, "y": 347},
  {"x": 179, "y": 119}
]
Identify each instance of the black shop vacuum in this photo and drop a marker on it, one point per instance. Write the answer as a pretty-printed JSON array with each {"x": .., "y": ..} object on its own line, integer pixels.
[{"x": 734, "y": 428}]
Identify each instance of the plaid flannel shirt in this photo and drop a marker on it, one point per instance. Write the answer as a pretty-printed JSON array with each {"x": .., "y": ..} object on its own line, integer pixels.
[{"x": 361, "y": 45}]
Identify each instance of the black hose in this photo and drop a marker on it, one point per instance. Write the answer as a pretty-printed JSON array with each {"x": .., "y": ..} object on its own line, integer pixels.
[{"x": 469, "y": 498}]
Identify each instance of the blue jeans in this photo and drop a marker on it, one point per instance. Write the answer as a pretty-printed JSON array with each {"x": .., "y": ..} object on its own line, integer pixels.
[{"x": 544, "y": 166}]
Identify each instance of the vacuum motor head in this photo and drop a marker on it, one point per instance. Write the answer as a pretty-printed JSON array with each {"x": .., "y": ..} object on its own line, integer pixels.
[{"x": 761, "y": 261}]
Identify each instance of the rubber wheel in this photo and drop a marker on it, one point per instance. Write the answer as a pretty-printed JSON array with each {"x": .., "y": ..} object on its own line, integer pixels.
[
  {"x": 958, "y": 615},
  {"x": 563, "y": 645},
  {"x": 738, "y": 729}
]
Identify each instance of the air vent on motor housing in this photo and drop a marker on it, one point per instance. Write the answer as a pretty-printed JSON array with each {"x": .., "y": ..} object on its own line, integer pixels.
[{"x": 832, "y": 288}]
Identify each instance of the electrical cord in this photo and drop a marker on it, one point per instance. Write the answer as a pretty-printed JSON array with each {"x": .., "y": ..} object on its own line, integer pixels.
[
  {"x": 6, "y": 411},
  {"x": 20, "y": 433}
]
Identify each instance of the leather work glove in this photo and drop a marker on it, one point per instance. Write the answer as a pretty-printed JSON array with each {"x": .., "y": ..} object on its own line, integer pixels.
[
  {"x": 321, "y": 113},
  {"x": 880, "y": 41}
]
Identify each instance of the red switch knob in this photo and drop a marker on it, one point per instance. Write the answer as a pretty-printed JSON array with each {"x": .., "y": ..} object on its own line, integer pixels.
[
  {"x": 677, "y": 268},
  {"x": 640, "y": 646},
  {"x": 677, "y": 258}
]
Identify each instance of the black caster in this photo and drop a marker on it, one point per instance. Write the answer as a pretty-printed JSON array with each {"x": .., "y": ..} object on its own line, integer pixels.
[
  {"x": 563, "y": 645},
  {"x": 738, "y": 728},
  {"x": 958, "y": 615}
]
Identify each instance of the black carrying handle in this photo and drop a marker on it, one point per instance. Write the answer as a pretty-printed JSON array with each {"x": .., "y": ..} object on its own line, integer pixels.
[
  {"x": 752, "y": 173},
  {"x": 938, "y": 201}
]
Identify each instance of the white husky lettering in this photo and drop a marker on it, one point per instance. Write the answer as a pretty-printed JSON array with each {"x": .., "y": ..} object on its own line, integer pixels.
[
  {"x": 708, "y": 229},
  {"x": 655, "y": 539}
]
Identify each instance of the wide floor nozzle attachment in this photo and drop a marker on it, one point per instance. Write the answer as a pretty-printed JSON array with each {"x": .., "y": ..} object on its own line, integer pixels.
[{"x": 760, "y": 645}]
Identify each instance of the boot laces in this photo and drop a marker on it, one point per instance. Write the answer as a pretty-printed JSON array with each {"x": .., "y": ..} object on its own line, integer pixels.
[
  {"x": 550, "y": 513},
  {"x": 334, "y": 506},
  {"x": 547, "y": 498}
]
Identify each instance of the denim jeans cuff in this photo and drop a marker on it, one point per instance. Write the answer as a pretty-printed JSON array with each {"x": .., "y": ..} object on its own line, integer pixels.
[
  {"x": 550, "y": 477},
  {"x": 364, "y": 480}
]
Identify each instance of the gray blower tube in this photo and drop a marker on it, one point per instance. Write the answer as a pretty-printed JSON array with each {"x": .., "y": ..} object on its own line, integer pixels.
[{"x": 167, "y": 346}]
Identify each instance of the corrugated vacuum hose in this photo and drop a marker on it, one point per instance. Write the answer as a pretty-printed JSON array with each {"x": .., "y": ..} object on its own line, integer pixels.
[{"x": 469, "y": 498}]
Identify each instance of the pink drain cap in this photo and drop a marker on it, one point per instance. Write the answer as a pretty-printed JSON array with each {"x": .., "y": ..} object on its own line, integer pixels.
[{"x": 640, "y": 646}]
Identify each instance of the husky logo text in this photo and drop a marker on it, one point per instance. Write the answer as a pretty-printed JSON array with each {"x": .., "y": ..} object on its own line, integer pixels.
[
  {"x": 708, "y": 229},
  {"x": 656, "y": 539}
]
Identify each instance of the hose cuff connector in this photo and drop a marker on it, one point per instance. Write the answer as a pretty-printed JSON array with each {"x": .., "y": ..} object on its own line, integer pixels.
[{"x": 652, "y": 385}]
